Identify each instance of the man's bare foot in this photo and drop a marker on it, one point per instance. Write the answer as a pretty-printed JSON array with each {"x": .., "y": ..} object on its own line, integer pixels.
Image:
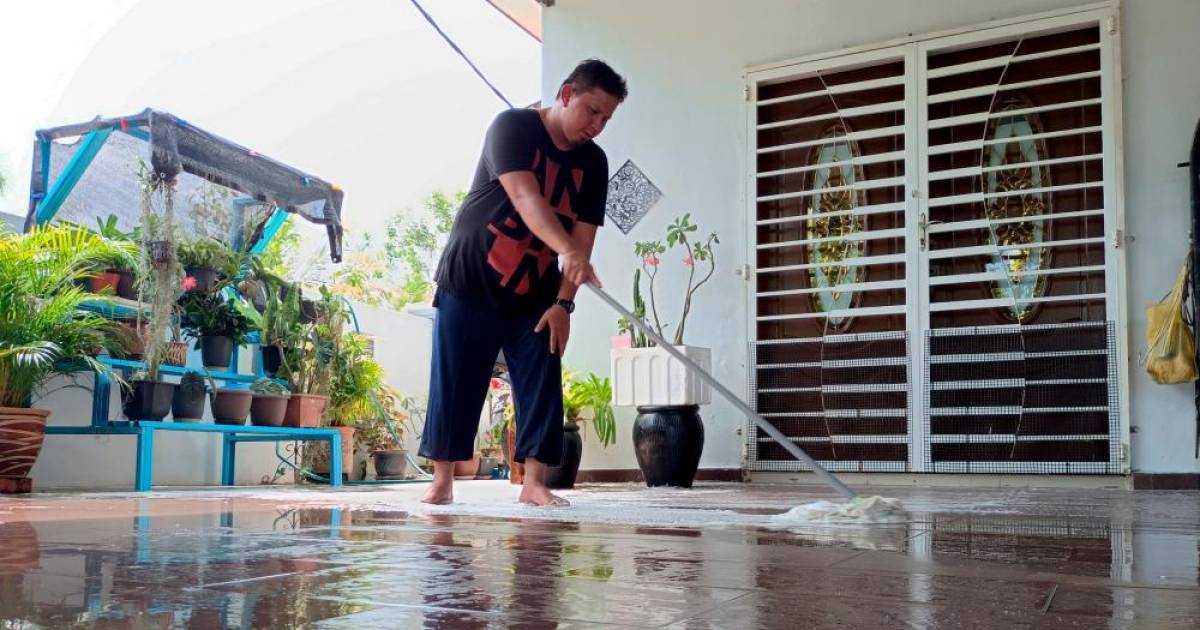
[
  {"x": 541, "y": 497},
  {"x": 441, "y": 491},
  {"x": 439, "y": 495}
]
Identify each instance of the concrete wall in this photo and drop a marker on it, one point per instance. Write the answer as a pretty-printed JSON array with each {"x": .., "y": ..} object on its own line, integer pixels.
[{"x": 684, "y": 120}]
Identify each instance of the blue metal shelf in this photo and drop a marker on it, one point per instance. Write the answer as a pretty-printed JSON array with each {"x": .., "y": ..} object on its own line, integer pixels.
[{"x": 128, "y": 366}]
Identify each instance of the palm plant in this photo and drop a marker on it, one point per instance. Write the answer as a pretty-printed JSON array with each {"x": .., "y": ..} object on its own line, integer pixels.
[
  {"x": 357, "y": 379},
  {"x": 43, "y": 330}
]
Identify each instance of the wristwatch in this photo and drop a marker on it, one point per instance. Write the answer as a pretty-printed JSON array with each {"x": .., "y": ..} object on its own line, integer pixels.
[{"x": 567, "y": 305}]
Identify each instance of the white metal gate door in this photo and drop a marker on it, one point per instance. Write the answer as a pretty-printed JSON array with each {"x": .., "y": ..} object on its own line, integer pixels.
[
  {"x": 1017, "y": 228},
  {"x": 936, "y": 265},
  {"x": 835, "y": 274}
]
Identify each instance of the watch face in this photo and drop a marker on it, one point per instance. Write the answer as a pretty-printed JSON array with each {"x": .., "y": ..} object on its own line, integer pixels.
[{"x": 568, "y": 305}]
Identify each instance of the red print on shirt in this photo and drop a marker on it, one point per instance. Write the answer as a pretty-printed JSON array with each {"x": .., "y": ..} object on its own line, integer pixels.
[{"x": 517, "y": 255}]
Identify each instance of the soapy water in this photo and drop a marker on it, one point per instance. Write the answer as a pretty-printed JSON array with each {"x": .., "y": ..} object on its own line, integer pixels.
[{"x": 861, "y": 510}]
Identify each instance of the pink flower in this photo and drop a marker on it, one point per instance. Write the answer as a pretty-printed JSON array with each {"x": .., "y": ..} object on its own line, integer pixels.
[
  {"x": 651, "y": 260},
  {"x": 495, "y": 383},
  {"x": 188, "y": 283},
  {"x": 687, "y": 260}
]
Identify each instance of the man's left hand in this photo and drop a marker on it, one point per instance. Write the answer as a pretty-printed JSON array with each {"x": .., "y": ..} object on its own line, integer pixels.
[{"x": 559, "y": 322}]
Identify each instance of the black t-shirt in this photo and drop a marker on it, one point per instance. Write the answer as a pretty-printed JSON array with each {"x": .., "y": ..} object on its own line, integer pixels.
[{"x": 492, "y": 258}]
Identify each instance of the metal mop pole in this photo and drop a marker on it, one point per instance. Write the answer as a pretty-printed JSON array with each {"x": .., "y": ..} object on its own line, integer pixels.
[{"x": 769, "y": 428}]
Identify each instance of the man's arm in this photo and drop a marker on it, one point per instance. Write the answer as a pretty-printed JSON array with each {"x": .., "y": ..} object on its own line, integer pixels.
[
  {"x": 584, "y": 236},
  {"x": 535, "y": 211}
]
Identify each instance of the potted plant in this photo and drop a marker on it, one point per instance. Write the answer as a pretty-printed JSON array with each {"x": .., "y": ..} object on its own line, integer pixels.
[
  {"x": 231, "y": 405},
  {"x": 277, "y": 321},
  {"x": 270, "y": 402},
  {"x": 217, "y": 325},
  {"x": 583, "y": 399},
  {"x": 124, "y": 267},
  {"x": 187, "y": 405},
  {"x": 381, "y": 433},
  {"x": 357, "y": 378},
  {"x": 43, "y": 332},
  {"x": 209, "y": 261},
  {"x": 308, "y": 362},
  {"x": 668, "y": 434},
  {"x": 158, "y": 284}
]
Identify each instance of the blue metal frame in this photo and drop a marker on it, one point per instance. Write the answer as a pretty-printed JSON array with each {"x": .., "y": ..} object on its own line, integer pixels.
[
  {"x": 269, "y": 231},
  {"x": 58, "y": 193}
]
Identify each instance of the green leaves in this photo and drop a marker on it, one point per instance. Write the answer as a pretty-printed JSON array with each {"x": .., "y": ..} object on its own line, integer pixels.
[
  {"x": 43, "y": 331},
  {"x": 677, "y": 232},
  {"x": 595, "y": 393}
]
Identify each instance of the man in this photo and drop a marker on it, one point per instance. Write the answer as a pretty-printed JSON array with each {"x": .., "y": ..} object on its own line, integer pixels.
[{"x": 536, "y": 202}]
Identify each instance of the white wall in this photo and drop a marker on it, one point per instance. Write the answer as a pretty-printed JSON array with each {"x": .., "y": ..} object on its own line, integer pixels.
[{"x": 683, "y": 124}]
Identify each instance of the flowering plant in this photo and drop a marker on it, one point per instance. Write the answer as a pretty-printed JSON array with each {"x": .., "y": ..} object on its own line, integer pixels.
[{"x": 680, "y": 234}]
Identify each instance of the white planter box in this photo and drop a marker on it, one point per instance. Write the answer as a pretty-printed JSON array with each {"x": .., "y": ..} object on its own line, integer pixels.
[{"x": 651, "y": 376}]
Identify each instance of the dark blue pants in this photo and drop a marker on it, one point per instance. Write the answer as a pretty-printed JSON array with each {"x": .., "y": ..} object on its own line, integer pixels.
[{"x": 466, "y": 341}]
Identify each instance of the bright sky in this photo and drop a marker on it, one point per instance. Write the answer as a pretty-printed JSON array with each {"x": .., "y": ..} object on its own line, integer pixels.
[{"x": 361, "y": 93}]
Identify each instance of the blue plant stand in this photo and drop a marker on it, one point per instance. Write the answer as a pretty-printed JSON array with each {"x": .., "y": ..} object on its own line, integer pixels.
[{"x": 232, "y": 434}]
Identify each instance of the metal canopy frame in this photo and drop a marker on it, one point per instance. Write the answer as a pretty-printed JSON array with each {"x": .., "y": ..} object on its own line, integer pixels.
[{"x": 177, "y": 146}]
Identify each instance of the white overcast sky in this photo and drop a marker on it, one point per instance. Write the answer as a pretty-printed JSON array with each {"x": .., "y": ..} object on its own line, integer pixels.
[{"x": 360, "y": 92}]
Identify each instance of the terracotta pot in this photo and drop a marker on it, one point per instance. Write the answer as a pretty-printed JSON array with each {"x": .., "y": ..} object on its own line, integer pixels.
[
  {"x": 467, "y": 469},
  {"x": 268, "y": 410},
  {"x": 305, "y": 410},
  {"x": 107, "y": 280},
  {"x": 131, "y": 341},
  {"x": 231, "y": 406},
  {"x": 21, "y": 433},
  {"x": 20, "y": 551},
  {"x": 347, "y": 448},
  {"x": 176, "y": 354}
]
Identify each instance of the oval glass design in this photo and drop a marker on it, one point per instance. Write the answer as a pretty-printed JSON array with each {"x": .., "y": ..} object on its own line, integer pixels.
[
  {"x": 831, "y": 223},
  {"x": 1008, "y": 170}
]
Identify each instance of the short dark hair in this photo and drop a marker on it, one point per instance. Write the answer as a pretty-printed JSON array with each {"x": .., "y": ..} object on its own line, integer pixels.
[{"x": 593, "y": 73}]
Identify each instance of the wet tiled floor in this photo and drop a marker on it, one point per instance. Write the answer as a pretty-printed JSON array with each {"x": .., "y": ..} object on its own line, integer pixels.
[{"x": 710, "y": 557}]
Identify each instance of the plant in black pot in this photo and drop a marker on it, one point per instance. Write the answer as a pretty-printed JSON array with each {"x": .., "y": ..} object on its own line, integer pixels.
[
  {"x": 277, "y": 323},
  {"x": 584, "y": 400},
  {"x": 158, "y": 285},
  {"x": 270, "y": 402},
  {"x": 217, "y": 325},
  {"x": 211, "y": 262},
  {"x": 187, "y": 405}
]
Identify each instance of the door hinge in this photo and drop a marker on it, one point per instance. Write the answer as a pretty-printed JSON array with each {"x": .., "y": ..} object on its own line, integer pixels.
[
  {"x": 1118, "y": 238},
  {"x": 746, "y": 93},
  {"x": 1111, "y": 24}
]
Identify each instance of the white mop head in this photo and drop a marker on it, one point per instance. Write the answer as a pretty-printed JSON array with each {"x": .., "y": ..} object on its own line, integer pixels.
[{"x": 860, "y": 510}]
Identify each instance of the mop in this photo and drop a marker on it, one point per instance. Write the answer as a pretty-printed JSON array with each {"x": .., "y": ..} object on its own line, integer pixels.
[{"x": 856, "y": 509}]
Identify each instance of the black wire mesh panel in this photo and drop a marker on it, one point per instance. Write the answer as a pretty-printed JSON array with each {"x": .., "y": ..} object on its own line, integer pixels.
[
  {"x": 1023, "y": 399},
  {"x": 844, "y": 399}
]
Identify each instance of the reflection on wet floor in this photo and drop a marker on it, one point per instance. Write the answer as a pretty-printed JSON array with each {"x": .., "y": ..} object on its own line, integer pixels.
[{"x": 1055, "y": 559}]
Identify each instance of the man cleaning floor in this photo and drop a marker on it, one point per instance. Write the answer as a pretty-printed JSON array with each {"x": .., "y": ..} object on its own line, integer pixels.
[{"x": 536, "y": 202}]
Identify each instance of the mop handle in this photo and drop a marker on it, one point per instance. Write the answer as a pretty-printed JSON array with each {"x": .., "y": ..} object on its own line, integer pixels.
[{"x": 762, "y": 424}]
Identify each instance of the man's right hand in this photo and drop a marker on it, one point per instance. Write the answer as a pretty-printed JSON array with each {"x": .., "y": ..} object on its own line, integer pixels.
[{"x": 577, "y": 269}]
